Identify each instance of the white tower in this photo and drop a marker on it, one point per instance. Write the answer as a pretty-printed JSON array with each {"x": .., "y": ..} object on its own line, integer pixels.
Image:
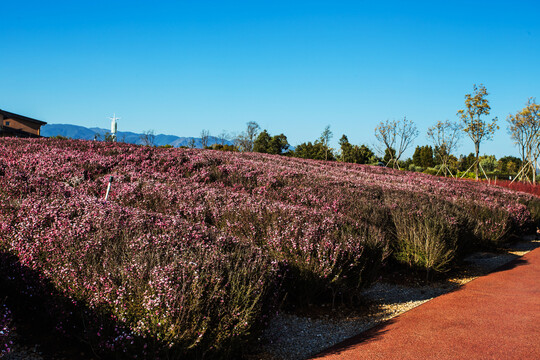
[{"x": 114, "y": 126}]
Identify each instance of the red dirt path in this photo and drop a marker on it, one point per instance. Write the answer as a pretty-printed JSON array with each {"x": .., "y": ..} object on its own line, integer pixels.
[{"x": 493, "y": 317}]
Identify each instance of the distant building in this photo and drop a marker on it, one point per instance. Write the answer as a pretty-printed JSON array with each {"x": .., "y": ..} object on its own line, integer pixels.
[{"x": 19, "y": 126}]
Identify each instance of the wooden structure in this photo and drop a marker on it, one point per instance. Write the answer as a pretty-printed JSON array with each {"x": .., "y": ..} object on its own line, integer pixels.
[{"x": 19, "y": 126}]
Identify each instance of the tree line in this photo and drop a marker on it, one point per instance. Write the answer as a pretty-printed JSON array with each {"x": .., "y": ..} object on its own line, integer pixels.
[{"x": 395, "y": 137}]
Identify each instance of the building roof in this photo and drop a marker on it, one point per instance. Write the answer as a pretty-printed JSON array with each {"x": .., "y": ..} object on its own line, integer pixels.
[{"x": 20, "y": 117}]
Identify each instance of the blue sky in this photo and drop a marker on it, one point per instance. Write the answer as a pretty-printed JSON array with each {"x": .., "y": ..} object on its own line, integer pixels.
[{"x": 292, "y": 66}]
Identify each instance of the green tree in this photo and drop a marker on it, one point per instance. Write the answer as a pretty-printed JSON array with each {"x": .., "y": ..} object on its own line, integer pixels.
[
  {"x": 477, "y": 106},
  {"x": 346, "y": 149},
  {"x": 466, "y": 162},
  {"x": 488, "y": 163},
  {"x": 389, "y": 155},
  {"x": 354, "y": 153},
  {"x": 509, "y": 164},
  {"x": 278, "y": 144},
  {"x": 262, "y": 142},
  {"x": 315, "y": 150},
  {"x": 423, "y": 156}
]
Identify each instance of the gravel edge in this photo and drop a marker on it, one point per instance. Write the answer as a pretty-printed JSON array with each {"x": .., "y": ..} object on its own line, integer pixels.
[{"x": 292, "y": 337}]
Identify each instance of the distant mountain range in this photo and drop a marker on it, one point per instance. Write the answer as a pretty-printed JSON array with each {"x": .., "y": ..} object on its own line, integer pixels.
[{"x": 81, "y": 132}]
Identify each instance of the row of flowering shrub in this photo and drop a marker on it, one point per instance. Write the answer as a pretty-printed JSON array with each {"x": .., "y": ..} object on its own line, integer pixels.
[{"x": 195, "y": 247}]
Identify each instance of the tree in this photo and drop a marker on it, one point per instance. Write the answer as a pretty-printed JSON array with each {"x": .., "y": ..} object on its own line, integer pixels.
[
  {"x": 225, "y": 147},
  {"x": 445, "y": 137},
  {"x": 191, "y": 143},
  {"x": 354, "y": 153},
  {"x": 346, "y": 149},
  {"x": 509, "y": 164},
  {"x": 245, "y": 140},
  {"x": 476, "y": 106},
  {"x": 205, "y": 136},
  {"x": 524, "y": 128},
  {"x": 262, "y": 142},
  {"x": 488, "y": 162},
  {"x": 395, "y": 137},
  {"x": 276, "y": 144},
  {"x": 148, "y": 138},
  {"x": 466, "y": 162},
  {"x": 223, "y": 137},
  {"x": 423, "y": 156},
  {"x": 389, "y": 155},
  {"x": 316, "y": 151},
  {"x": 325, "y": 140}
]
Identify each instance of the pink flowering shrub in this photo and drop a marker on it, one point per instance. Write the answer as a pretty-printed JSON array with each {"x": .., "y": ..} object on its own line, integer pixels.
[
  {"x": 427, "y": 232},
  {"x": 192, "y": 248}
]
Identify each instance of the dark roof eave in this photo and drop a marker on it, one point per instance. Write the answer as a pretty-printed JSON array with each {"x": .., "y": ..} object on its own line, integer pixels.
[{"x": 16, "y": 116}]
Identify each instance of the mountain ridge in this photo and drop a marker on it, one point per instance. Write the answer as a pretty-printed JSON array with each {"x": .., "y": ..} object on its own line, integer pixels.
[{"x": 84, "y": 133}]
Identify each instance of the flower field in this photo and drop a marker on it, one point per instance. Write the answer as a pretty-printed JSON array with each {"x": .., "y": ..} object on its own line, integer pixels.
[{"x": 195, "y": 249}]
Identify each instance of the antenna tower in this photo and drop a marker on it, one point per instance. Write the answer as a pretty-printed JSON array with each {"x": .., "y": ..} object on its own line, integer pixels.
[{"x": 114, "y": 126}]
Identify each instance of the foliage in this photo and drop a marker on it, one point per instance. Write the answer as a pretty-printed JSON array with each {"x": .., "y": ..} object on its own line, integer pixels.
[
  {"x": 509, "y": 164},
  {"x": 488, "y": 163},
  {"x": 266, "y": 144},
  {"x": 423, "y": 156},
  {"x": 354, "y": 153},
  {"x": 476, "y": 106},
  {"x": 223, "y": 147},
  {"x": 315, "y": 151}
]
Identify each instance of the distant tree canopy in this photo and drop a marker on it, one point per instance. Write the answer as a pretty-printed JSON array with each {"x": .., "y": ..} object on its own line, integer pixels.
[
  {"x": 509, "y": 164},
  {"x": 354, "y": 153},
  {"x": 423, "y": 156},
  {"x": 316, "y": 151},
  {"x": 466, "y": 162},
  {"x": 389, "y": 155},
  {"x": 264, "y": 143},
  {"x": 488, "y": 163},
  {"x": 221, "y": 147}
]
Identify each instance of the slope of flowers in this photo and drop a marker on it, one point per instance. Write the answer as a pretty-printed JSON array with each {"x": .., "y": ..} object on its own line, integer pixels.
[{"x": 194, "y": 246}]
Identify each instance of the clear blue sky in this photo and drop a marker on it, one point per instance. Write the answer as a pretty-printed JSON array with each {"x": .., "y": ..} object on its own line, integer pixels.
[{"x": 293, "y": 66}]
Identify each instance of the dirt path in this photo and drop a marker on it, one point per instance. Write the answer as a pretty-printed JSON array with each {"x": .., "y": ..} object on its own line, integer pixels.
[{"x": 493, "y": 317}]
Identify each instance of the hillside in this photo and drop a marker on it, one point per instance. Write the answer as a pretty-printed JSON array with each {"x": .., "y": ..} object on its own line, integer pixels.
[
  {"x": 195, "y": 249},
  {"x": 83, "y": 133}
]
